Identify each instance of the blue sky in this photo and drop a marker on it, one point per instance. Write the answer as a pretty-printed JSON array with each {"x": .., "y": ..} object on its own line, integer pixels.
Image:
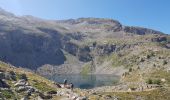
[{"x": 153, "y": 14}]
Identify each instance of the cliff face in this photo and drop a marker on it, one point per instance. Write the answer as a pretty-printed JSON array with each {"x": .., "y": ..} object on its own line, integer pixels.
[
  {"x": 70, "y": 46},
  {"x": 29, "y": 50}
]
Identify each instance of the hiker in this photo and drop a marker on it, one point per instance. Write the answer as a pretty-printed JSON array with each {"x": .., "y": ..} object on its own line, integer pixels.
[
  {"x": 71, "y": 86},
  {"x": 65, "y": 82}
]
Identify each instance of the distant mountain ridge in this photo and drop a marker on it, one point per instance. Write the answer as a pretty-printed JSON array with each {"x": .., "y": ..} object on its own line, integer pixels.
[{"x": 84, "y": 45}]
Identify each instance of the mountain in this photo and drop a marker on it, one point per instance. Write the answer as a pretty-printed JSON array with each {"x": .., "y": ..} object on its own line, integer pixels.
[
  {"x": 139, "y": 56},
  {"x": 84, "y": 45}
]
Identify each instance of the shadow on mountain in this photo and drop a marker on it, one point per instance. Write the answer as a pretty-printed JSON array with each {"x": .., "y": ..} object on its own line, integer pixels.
[{"x": 30, "y": 51}]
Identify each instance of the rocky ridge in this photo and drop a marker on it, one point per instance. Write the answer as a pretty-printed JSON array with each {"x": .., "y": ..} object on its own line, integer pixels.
[{"x": 33, "y": 43}]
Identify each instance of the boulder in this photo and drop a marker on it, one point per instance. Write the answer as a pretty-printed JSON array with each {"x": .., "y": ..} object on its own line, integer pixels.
[
  {"x": 52, "y": 92},
  {"x": 21, "y": 88},
  {"x": 10, "y": 76},
  {"x": 74, "y": 98},
  {"x": 159, "y": 39},
  {"x": 107, "y": 97},
  {"x": 3, "y": 84},
  {"x": 2, "y": 75},
  {"x": 168, "y": 45},
  {"x": 82, "y": 98},
  {"x": 21, "y": 82},
  {"x": 43, "y": 96},
  {"x": 28, "y": 89},
  {"x": 25, "y": 98}
]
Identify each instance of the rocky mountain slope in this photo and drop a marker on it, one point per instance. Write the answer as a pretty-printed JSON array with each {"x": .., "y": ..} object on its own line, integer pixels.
[
  {"x": 84, "y": 45},
  {"x": 23, "y": 84},
  {"x": 140, "y": 56}
]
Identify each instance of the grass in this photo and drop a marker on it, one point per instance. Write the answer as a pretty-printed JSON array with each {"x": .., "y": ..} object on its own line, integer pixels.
[
  {"x": 8, "y": 94},
  {"x": 133, "y": 76},
  {"x": 42, "y": 86},
  {"x": 123, "y": 59},
  {"x": 157, "y": 94},
  {"x": 158, "y": 74},
  {"x": 86, "y": 69},
  {"x": 116, "y": 60}
]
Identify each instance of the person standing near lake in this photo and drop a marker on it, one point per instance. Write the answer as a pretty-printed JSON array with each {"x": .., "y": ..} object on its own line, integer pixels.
[
  {"x": 71, "y": 86},
  {"x": 65, "y": 82}
]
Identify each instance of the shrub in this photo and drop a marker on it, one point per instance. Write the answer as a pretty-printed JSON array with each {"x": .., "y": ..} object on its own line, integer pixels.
[
  {"x": 22, "y": 76},
  {"x": 157, "y": 81},
  {"x": 149, "y": 81},
  {"x": 130, "y": 69},
  {"x": 138, "y": 67},
  {"x": 165, "y": 62},
  {"x": 148, "y": 56}
]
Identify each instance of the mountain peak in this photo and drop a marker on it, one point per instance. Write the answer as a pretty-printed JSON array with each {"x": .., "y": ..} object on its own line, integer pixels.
[
  {"x": 90, "y": 20},
  {"x": 5, "y": 13}
]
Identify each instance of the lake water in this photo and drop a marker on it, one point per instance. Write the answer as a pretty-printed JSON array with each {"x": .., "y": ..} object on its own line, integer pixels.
[{"x": 86, "y": 81}]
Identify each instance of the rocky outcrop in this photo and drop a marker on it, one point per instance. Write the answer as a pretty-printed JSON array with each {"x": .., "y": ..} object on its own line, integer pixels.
[
  {"x": 3, "y": 84},
  {"x": 105, "y": 49},
  {"x": 159, "y": 39},
  {"x": 95, "y": 23},
  {"x": 168, "y": 45},
  {"x": 77, "y": 36},
  {"x": 84, "y": 54},
  {"x": 70, "y": 48},
  {"x": 30, "y": 51},
  {"x": 140, "y": 31}
]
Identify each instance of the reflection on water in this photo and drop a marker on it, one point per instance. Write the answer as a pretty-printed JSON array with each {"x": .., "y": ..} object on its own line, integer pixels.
[{"x": 86, "y": 81}]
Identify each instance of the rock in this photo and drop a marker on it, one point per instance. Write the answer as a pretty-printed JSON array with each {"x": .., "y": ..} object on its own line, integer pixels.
[
  {"x": 36, "y": 90},
  {"x": 139, "y": 30},
  {"x": 39, "y": 98},
  {"x": 1, "y": 70},
  {"x": 28, "y": 89},
  {"x": 2, "y": 75},
  {"x": 71, "y": 48},
  {"x": 76, "y": 35},
  {"x": 21, "y": 82},
  {"x": 105, "y": 49},
  {"x": 58, "y": 85},
  {"x": 82, "y": 98},
  {"x": 94, "y": 93},
  {"x": 10, "y": 76},
  {"x": 74, "y": 98},
  {"x": 52, "y": 92},
  {"x": 60, "y": 93},
  {"x": 159, "y": 39},
  {"x": 3, "y": 84},
  {"x": 84, "y": 54},
  {"x": 163, "y": 80},
  {"x": 168, "y": 45},
  {"x": 115, "y": 98},
  {"x": 45, "y": 96},
  {"x": 107, "y": 97},
  {"x": 21, "y": 88},
  {"x": 24, "y": 98}
]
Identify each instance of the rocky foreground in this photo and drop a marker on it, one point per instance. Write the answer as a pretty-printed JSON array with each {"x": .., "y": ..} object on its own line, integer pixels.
[
  {"x": 19, "y": 84},
  {"x": 22, "y": 84}
]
